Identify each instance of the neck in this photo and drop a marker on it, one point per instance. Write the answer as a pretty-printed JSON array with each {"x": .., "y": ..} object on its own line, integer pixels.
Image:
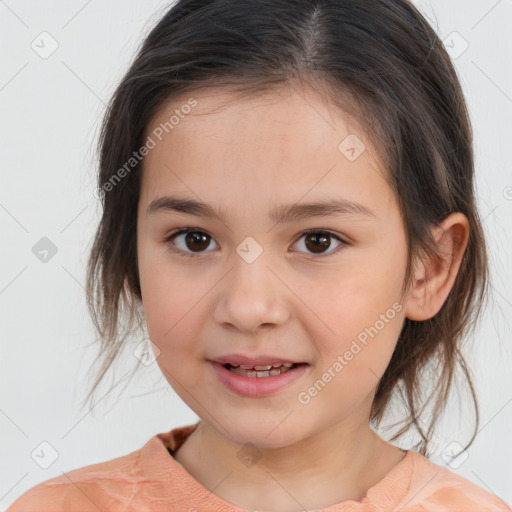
[{"x": 334, "y": 465}]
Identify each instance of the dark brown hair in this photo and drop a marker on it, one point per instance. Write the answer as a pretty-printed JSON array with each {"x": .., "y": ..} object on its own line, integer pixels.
[{"x": 378, "y": 60}]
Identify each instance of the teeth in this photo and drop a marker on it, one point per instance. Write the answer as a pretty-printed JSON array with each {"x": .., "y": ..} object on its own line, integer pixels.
[
  {"x": 266, "y": 371},
  {"x": 261, "y": 368}
]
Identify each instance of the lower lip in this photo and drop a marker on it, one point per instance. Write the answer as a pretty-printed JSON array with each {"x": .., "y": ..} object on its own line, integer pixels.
[{"x": 256, "y": 386}]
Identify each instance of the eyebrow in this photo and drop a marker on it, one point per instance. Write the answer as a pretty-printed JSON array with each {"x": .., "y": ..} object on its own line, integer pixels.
[{"x": 282, "y": 214}]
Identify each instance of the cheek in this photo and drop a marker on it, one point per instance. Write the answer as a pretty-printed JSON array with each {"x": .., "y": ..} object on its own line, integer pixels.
[
  {"x": 168, "y": 296},
  {"x": 172, "y": 323},
  {"x": 361, "y": 307},
  {"x": 169, "y": 311},
  {"x": 174, "y": 298},
  {"x": 352, "y": 361}
]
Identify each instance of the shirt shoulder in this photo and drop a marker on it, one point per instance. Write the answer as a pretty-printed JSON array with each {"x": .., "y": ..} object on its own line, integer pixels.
[
  {"x": 145, "y": 479},
  {"x": 46, "y": 497},
  {"x": 435, "y": 488},
  {"x": 88, "y": 488}
]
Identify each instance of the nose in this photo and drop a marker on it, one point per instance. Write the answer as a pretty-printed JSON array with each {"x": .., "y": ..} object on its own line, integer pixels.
[{"x": 252, "y": 296}]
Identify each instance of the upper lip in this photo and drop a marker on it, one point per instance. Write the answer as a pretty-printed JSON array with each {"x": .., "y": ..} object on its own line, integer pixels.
[{"x": 253, "y": 360}]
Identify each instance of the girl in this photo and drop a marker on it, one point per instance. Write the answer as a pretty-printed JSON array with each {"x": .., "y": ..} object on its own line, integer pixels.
[{"x": 318, "y": 155}]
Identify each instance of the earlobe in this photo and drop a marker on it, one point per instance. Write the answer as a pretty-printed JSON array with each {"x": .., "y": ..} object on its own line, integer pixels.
[{"x": 433, "y": 277}]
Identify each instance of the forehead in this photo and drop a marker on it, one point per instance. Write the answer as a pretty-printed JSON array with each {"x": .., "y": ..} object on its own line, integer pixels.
[
  {"x": 290, "y": 112},
  {"x": 284, "y": 143}
]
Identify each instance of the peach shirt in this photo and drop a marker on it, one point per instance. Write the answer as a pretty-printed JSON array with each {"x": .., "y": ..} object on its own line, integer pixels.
[{"x": 150, "y": 479}]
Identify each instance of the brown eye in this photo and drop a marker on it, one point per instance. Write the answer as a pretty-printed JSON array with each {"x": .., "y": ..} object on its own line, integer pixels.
[
  {"x": 196, "y": 241},
  {"x": 188, "y": 241},
  {"x": 318, "y": 242}
]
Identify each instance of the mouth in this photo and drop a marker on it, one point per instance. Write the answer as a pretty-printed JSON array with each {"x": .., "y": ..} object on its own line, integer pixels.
[
  {"x": 260, "y": 377},
  {"x": 259, "y": 371}
]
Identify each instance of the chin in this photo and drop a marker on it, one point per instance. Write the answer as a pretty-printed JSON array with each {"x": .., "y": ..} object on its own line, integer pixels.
[{"x": 266, "y": 433}]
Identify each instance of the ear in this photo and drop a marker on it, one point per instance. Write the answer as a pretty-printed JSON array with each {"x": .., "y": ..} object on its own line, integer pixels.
[{"x": 433, "y": 278}]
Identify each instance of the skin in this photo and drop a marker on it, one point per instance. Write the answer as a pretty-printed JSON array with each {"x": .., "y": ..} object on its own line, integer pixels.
[{"x": 247, "y": 156}]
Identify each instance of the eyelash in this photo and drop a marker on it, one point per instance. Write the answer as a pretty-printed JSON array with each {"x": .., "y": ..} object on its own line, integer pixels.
[{"x": 177, "y": 232}]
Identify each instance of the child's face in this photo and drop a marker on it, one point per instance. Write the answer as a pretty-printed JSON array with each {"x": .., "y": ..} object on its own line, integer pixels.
[{"x": 300, "y": 299}]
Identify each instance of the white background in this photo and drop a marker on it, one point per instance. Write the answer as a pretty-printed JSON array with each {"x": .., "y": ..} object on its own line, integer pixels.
[{"x": 50, "y": 113}]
